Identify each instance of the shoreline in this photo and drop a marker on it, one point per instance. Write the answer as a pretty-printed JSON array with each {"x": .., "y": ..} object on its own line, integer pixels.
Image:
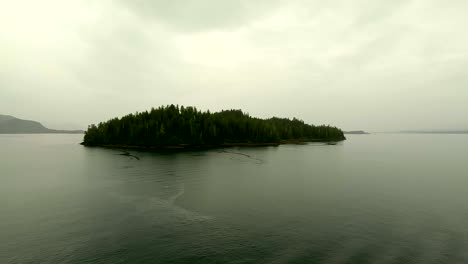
[{"x": 209, "y": 146}]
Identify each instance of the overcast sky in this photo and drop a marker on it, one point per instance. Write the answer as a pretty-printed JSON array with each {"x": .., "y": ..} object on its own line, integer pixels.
[{"x": 371, "y": 65}]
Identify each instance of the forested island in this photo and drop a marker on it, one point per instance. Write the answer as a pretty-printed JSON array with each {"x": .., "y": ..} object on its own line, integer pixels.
[{"x": 184, "y": 127}]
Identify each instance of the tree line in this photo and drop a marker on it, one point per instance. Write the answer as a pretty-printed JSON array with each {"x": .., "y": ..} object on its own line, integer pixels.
[{"x": 173, "y": 125}]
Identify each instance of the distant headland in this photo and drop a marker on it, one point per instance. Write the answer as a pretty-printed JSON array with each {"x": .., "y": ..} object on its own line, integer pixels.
[
  {"x": 356, "y": 132},
  {"x": 13, "y": 125},
  {"x": 174, "y": 127}
]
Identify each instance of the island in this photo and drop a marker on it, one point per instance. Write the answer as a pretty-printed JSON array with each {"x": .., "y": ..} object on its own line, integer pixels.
[
  {"x": 12, "y": 125},
  {"x": 174, "y": 127},
  {"x": 356, "y": 132}
]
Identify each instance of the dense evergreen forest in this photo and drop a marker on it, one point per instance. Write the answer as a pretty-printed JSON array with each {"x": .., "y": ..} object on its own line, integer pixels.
[{"x": 177, "y": 126}]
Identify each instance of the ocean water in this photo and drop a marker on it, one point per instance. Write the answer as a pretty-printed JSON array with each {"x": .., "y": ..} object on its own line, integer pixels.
[{"x": 381, "y": 198}]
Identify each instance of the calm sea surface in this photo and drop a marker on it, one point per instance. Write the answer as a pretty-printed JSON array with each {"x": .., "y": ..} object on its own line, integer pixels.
[{"x": 384, "y": 198}]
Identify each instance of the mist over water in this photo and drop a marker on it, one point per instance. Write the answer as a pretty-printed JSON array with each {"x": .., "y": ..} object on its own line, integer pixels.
[{"x": 383, "y": 198}]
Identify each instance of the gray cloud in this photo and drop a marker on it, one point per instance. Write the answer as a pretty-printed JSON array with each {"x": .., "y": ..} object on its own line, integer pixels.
[{"x": 193, "y": 15}]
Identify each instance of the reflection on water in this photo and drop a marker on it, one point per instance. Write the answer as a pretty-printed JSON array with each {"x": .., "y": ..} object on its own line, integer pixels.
[{"x": 372, "y": 199}]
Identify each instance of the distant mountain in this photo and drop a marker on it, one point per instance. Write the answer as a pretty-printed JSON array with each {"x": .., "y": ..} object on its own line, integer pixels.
[
  {"x": 357, "y": 132},
  {"x": 5, "y": 117},
  {"x": 13, "y": 125}
]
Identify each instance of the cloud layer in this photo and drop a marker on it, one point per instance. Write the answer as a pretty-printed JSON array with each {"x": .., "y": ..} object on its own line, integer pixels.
[{"x": 374, "y": 65}]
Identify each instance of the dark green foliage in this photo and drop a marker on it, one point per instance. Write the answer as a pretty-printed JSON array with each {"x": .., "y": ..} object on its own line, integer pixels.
[{"x": 171, "y": 125}]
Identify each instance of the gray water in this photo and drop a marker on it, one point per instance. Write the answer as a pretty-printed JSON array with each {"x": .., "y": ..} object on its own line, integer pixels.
[{"x": 385, "y": 198}]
